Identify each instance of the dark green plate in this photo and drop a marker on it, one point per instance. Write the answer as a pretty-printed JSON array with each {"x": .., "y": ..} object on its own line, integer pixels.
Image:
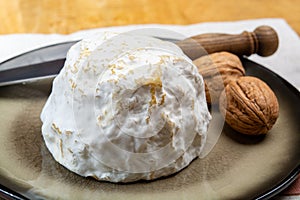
[{"x": 238, "y": 167}]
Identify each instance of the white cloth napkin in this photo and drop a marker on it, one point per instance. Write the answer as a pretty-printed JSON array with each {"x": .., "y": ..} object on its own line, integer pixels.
[{"x": 284, "y": 62}]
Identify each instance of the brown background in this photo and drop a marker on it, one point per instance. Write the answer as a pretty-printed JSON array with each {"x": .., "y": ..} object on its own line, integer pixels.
[{"x": 65, "y": 16}]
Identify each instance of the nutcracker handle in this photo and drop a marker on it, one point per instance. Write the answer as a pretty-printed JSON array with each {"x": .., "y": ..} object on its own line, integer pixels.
[{"x": 262, "y": 41}]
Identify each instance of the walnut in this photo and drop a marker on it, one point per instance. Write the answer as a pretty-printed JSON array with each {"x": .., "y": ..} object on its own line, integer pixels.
[
  {"x": 218, "y": 69},
  {"x": 249, "y": 106}
]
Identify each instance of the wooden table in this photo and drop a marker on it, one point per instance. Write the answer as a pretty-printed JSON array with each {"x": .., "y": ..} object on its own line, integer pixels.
[{"x": 64, "y": 16}]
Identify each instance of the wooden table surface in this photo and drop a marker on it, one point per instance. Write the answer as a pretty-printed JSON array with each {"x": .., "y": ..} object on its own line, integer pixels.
[{"x": 65, "y": 16}]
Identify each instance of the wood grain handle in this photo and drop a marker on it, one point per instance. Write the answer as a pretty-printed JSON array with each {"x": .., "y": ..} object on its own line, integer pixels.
[{"x": 262, "y": 41}]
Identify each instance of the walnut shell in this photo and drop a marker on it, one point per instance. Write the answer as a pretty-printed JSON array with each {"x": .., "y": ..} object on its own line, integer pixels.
[
  {"x": 249, "y": 106},
  {"x": 218, "y": 69}
]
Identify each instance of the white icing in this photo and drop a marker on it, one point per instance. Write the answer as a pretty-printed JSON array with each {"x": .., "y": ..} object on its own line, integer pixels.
[{"x": 125, "y": 108}]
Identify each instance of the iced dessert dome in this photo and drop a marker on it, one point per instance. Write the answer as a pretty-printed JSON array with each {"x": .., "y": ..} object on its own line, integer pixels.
[{"x": 125, "y": 108}]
